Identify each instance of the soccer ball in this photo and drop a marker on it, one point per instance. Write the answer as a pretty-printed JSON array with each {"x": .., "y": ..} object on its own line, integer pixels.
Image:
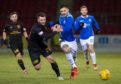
[{"x": 104, "y": 74}]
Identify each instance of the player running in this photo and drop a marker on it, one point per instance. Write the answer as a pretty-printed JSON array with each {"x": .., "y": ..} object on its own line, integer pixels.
[
  {"x": 67, "y": 40},
  {"x": 15, "y": 30},
  {"x": 37, "y": 44},
  {"x": 84, "y": 23}
]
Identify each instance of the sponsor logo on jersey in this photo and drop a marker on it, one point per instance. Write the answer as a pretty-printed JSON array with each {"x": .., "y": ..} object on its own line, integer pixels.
[
  {"x": 90, "y": 20},
  {"x": 11, "y": 27}
]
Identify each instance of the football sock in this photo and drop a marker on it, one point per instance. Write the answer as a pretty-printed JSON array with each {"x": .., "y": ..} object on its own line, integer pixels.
[
  {"x": 86, "y": 56},
  {"x": 55, "y": 68},
  {"x": 93, "y": 57},
  {"x": 74, "y": 53},
  {"x": 74, "y": 57},
  {"x": 69, "y": 57},
  {"x": 21, "y": 64}
]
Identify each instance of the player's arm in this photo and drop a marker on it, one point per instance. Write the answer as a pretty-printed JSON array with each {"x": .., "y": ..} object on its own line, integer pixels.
[
  {"x": 53, "y": 25},
  {"x": 4, "y": 34},
  {"x": 25, "y": 35},
  {"x": 68, "y": 24},
  {"x": 39, "y": 31},
  {"x": 5, "y": 38},
  {"x": 96, "y": 25},
  {"x": 24, "y": 32},
  {"x": 77, "y": 25},
  {"x": 50, "y": 23}
]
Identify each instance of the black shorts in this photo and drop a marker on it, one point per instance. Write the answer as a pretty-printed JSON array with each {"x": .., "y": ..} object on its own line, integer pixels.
[
  {"x": 35, "y": 50},
  {"x": 16, "y": 47}
]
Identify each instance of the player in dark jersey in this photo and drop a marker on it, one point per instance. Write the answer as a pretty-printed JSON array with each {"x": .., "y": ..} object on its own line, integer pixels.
[
  {"x": 15, "y": 29},
  {"x": 37, "y": 44}
]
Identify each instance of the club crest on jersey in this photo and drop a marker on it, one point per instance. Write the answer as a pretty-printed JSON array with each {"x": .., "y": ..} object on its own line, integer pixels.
[
  {"x": 18, "y": 26},
  {"x": 64, "y": 22}
]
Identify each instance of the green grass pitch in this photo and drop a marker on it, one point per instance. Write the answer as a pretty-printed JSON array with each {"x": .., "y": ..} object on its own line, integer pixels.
[{"x": 10, "y": 73}]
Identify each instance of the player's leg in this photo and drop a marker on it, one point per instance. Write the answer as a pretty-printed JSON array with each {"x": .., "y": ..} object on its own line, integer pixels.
[
  {"x": 85, "y": 51},
  {"x": 54, "y": 66},
  {"x": 36, "y": 63},
  {"x": 20, "y": 46},
  {"x": 18, "y": 55},
  {"x": 93, "y": 56},
  {"x": 74, "y": 47},
  {"x": 92, "y": 52},
  {"x": 47, "y": 54},
  {"x": 21, "y": 63},
  {"x": 34, "y": 54},
  {"x": 67, "y": 50}
]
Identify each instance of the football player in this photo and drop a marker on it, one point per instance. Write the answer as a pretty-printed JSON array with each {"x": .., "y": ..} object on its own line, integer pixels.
[
  {"x": 67, "y": 40},
  {"x": 37, "y": 44},
  {"x": 15, "y": 30},
  {"x": 85, "y": 23}
]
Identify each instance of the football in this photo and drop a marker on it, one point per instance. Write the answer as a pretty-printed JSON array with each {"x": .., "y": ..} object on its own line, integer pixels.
[{"x": 104, "y": 74}]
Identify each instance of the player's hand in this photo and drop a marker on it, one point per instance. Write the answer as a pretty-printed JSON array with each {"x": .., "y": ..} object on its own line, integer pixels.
[
  {"x": 57, "y": 28},
  {"x": 82, "y": 24},
  {"x": 5, "y": 42}
]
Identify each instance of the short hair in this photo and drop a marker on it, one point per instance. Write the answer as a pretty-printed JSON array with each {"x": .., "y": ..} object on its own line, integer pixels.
[
  {"x": 64, "y": 6},
  {"x": 83, "y": 6},
  {"x": 41, "y": 14},
  {"x": 12, "y": 13}
]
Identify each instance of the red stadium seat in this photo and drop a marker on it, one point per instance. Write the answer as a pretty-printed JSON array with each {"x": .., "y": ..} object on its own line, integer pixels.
[
  {"x": 27, "y": 9},
  {"x": 103, "y": 9}
]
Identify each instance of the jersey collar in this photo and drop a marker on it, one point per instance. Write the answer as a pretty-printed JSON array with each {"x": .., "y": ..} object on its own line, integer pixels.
[
  {"x": 85, "y": 16},
  {"x": 66, "y": 15}
]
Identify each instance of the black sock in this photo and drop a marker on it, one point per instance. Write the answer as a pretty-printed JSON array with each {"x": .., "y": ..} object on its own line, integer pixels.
[
  {"x": 21, "y": 64},
  {"x": 55, "y": 68}
]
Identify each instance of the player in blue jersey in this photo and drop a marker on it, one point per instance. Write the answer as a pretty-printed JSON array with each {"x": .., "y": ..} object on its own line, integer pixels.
[
  {"x": 85, "y": 23},
  {"x": 67, "y": 40}
]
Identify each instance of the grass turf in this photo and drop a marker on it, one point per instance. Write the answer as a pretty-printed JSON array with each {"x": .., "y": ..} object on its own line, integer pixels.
[{"x": 10, "y": 73}]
